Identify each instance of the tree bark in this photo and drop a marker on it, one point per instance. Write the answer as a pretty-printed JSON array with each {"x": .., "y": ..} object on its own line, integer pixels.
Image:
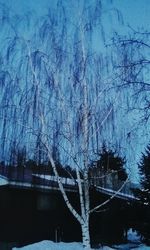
[{"x": 85, "y": 234}]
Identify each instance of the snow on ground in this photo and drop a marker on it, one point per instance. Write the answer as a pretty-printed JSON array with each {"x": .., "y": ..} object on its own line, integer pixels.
[
  {"x": 142, "y": 247},
  {"x": 134, "y": 243},
  {"x": 49, "y": 245},
  {"x": 129, "y": 246}
]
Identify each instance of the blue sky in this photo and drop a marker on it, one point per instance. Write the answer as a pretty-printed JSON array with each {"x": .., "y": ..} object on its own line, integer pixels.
[{"x": 135, "y": 12}]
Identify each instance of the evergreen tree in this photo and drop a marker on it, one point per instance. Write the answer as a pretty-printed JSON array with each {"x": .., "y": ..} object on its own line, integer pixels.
[
  {"x": 110, "y": 161},
  {"x": 143, "y": 193},
  {"x": 144, "y": 170}
]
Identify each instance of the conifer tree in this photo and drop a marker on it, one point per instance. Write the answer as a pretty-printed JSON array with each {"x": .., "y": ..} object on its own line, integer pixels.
[
  {"x": 144, "y": 171},
  {"x": 109, "y": 160}
]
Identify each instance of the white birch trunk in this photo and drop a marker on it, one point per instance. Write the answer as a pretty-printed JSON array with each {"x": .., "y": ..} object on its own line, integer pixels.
[
  {"x": 85, "y": 227},
  {"x": 86, "y": 235},
  {"x": 84, "y": 203}
]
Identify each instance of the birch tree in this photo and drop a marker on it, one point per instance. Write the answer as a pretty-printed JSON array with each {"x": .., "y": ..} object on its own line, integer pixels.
[{"x": 57, "y": 88}]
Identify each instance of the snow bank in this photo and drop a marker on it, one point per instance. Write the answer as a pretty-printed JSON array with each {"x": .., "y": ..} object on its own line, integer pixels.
[
  {"x": 49, "y": 245},
  {"x": 131, "y": 246},
  {"x": 141, "y": 247}
]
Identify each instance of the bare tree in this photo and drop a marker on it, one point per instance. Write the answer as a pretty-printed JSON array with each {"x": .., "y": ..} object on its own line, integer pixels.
[
  {"x": 132, "y": 71},
  {"x": 133, "y": 67}
]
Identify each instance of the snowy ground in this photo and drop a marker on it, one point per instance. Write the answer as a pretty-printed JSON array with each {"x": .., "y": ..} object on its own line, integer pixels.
[
  {"x": 134, "y": 243},
  {"x": 49, "y": 245}
]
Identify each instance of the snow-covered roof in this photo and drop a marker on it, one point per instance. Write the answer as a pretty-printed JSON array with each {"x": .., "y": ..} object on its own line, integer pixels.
[
  {"x": 64, "y": 180},
  {"x": 3, "y": 180}
]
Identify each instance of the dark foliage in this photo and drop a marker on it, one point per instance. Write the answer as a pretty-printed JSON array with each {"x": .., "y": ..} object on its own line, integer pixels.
[
  {"x": 46, "y": 169},
  {"x": 110, "y": 161},
  {"x": 144, "y": 170},
  {"x": 143, "y": 193}
]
